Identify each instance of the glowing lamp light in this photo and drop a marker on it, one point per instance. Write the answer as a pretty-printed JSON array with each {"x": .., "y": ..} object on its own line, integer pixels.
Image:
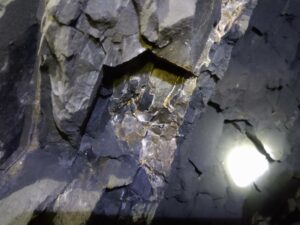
[{"x": 245, "y": 164}]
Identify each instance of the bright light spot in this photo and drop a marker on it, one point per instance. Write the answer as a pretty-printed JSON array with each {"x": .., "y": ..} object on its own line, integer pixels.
[{"x": 245, "y": 164}]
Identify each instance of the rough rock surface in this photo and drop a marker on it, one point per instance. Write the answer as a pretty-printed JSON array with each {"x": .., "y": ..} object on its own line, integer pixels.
[
  {"x": 121, "y": 90},
  {"x": 81, "y": 40},
  {"x": 18, "y": 43},
  {"x": 107, "y": 84},
  {"x": 259, "y": 90},
  {"x": 170, "y": 27}
]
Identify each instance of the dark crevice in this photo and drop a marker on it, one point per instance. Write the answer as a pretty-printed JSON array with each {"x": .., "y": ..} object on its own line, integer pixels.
[
  {"x": 110, "y": 74},
  {"x": 259, "y": 33},
  {"x": 256, "y": 187},
  {"x": 236, "y": 126},
  {"x": 295, "y": 177},
  {"x": 240, "y": 124},
  {"x": 216, "y": 106},
  {"x": 238, "y": 121},
  {"x": 288, "y": 17},
  {"x": 90, "y": 20},
  {"x": 116, "y": 188},
  {"x": 42, "y": 215},
  {"x": 259, "y": 145},
  {"x": 199, "y": 173},
  {"x": 135, "y": 64},
  {"x": 213, "y": 76},
  {"x": 235, "y": 123},
  {"x": 146, "y": 101},
  {"x": 256, "y": 31},
  {"x": 146, "y": 42},
  {"x": 275, "y": 88},
  {"x": 118, "y": 158},
  {"x": 74, "y": 22},
  {"x": 249, "y": 132},
  {"x": 166, "y": 65},
  {"x": 92, "y": 106},
  {"x": 64, "y": 136}
]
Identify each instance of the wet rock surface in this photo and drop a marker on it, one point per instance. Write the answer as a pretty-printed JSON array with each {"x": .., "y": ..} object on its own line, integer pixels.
[{"x": 136, "y": 104}]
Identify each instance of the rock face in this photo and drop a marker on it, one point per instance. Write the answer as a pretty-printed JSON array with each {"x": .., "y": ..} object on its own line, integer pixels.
[
  {"x": 18, "y": 43},
  {"x": 122, "y": 75},
  {"x": 170, "y": 27},
  {"x": 84, "y": 37},
  {"x": 120, "y": 88},
  {"x": 259, "y": 90},
  {"x": 115, "y": 95}
]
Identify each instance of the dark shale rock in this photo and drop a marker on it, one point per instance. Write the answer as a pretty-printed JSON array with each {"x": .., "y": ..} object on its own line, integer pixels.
[
  {"x": 119, "y": 101},
  {"x": 260, "y": 90},
  {"x": 18, "y": 46},
  {"x": 134, "y": 105}
]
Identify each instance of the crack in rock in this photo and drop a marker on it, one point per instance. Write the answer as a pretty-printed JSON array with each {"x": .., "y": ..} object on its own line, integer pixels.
[{"x": 258, "y": 144}]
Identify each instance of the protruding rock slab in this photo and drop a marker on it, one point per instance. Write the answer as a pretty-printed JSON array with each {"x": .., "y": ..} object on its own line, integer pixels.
[{"x": 177, "y": 30}]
